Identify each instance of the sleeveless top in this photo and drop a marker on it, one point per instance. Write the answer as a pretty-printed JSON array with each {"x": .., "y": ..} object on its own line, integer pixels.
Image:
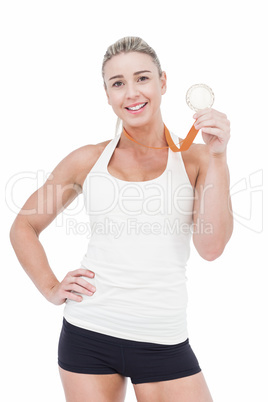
[{"x": 138, "y": 249}]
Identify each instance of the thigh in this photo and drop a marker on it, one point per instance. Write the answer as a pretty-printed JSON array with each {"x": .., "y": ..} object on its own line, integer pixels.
[
  {"x": 93, "y": 387},
  {"x": 147, "y": 363},
  {"x": 187, "y": 389}
]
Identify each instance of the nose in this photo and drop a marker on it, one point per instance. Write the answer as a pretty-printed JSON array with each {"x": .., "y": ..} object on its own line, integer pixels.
[{"x": 131, "y": 91}]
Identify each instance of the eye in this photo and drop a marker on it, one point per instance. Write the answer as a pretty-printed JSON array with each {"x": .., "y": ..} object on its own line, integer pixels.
[
  {"x": 143, "y": 78},
  {"x": 117, "y": 84}
]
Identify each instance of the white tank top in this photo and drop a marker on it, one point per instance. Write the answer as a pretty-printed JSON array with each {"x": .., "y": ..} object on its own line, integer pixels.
[{"x": 139, "y": 246}]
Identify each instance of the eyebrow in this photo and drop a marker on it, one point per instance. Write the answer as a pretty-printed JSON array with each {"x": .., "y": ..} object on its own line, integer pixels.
[{"x": 137, "y": 73}]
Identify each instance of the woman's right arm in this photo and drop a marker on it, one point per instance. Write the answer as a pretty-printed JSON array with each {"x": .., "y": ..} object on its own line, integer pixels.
[{"x": 41, "y": 208}]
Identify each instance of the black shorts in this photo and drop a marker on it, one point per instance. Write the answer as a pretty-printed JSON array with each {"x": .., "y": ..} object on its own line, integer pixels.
[{"x": 89, "y": 352}]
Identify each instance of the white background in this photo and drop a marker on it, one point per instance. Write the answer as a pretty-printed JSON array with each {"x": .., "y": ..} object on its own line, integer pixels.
[{"x": 52, "y": 102}]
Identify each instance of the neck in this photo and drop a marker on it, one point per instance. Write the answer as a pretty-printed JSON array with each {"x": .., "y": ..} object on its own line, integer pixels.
[{"x": 152, "y": 135}]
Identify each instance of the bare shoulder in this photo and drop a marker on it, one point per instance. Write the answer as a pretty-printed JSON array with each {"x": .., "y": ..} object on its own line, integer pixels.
[
  {"x": 81, "y": 160},
  {"x": 196, "y": 160},
  {"x": 200, "y": 154}
]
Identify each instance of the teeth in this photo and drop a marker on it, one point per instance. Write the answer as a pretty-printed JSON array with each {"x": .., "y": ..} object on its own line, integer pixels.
[{"x": 136, "y": 107}]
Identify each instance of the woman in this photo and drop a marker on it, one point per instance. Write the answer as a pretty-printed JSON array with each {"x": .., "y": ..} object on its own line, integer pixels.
[{"x": 125, "y": 311}]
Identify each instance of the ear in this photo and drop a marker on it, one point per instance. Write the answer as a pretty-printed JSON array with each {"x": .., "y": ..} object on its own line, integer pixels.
[
  {"x": 108, "y": 98},
  {"x": 163, "y": 80}
]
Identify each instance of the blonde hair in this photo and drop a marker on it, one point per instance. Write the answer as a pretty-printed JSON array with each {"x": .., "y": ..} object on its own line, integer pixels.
[{"x": 126, "y": 45}]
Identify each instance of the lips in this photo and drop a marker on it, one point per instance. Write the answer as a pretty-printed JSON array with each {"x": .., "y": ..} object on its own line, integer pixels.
[{"x": 137, "y": 106}]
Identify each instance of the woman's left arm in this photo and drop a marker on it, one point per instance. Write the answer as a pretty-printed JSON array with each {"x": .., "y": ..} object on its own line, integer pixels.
[{"x": 212, "y": 213}]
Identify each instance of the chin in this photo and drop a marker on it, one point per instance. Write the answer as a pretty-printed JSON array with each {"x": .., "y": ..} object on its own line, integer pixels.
[{"x": 136, "y": 123}]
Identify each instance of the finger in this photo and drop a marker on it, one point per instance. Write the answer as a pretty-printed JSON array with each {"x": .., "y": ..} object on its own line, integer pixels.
[
  {"x": 213, "y": 131},
  {"x": 82, "y": 272},
  {"x": 85, "y": 284},
  {"x": 201, "y": 112},
  {"x": 211, "y": 117},
  {"x": 207, "y": 123},
  {"x": 211, "y": 111},
  {"x": 72, "y": 296},
  {"x": 214, "y": 120},
  {"x": 79, "y": 289},
  {"x": 216, "y": 117}
]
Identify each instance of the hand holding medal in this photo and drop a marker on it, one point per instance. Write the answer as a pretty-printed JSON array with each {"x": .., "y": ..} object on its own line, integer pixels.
[{"x": 198, "y": 97}]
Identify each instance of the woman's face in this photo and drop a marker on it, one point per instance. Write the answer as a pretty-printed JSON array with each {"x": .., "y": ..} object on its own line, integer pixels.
[{"x": 134, "y": 88}]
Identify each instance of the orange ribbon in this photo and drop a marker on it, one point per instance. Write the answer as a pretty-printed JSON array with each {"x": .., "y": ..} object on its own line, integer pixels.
[{"x": 185, "y": 144}]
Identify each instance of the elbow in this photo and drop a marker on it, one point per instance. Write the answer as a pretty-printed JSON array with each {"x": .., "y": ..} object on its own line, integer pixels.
[
  {"x": 211, "y": 255},
  {"x": 211, "y": 249},
  {"x": 17, "y": 231},
  {"x": 211, "y": 252},
  {"x": 11, "y": 232}
]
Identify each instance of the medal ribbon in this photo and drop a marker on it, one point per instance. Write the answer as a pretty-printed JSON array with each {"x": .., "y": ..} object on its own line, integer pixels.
[{"x": 185, "y": 144}]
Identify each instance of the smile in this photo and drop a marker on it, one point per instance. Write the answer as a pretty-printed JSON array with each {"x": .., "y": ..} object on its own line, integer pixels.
[{"x": 137, "y": 107}]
